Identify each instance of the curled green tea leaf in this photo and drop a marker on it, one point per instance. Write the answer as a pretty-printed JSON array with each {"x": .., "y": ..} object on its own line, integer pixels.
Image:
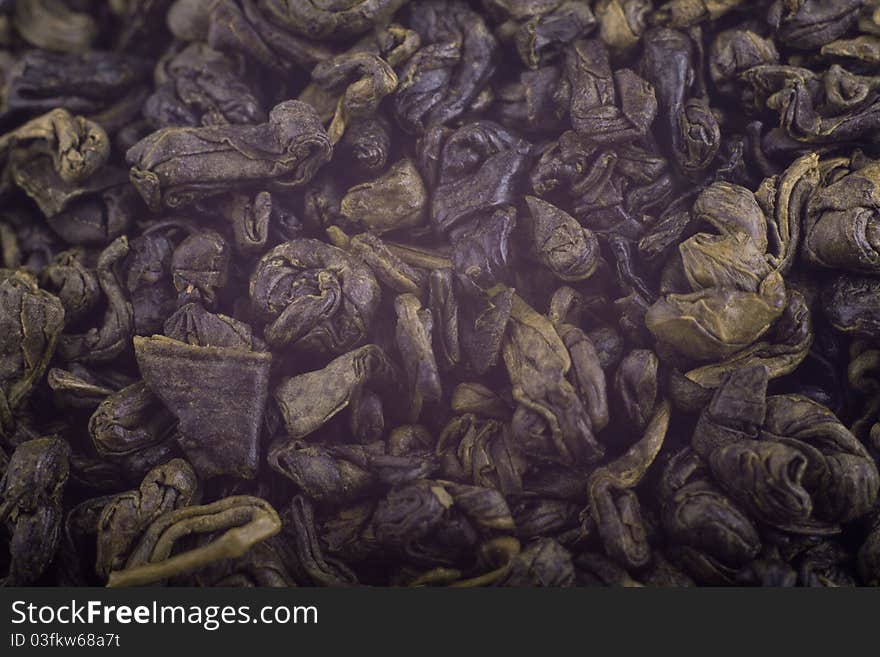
[
  {"x": 414, "y": 329},
  {"x": 30, "y": 506},
  {"x": 570, "y": 251},
  {"x": 716, "y": 537},
  {"x": 78, "y": 147},
  {"x": 314, "y": 294},
  {"x": 537, "y": 362},
  {"x": 613, "y": 504},
  {"x": 243, "y": 521},
  {"x": 716, "y": 323},
  {"x": 111, "y": 338},
  {"x": 309, "y": 400},
  {"x": 170, "y": 486},
  {"x": 373, "y": 80},
  {"x": 173, "y": 167},
  {"x": 31, "y": 320},
  {"x": 393, "y": 201}
]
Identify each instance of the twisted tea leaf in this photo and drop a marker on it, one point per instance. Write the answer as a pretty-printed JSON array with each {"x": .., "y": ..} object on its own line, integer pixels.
[
  {"x": 76, "y": 285},
  {"x": 309, "y": 400},
  {"x": 173, "y": 167},
  {"x": 250, "y": 221},
  {"x": 31, "y": 506},
  {"x": 789, "y": 344},
  {"x": 587, "y": 374},
  {"x": 407, "y": 516},
  {"x": 74, "y": 391},
  {"x": 766, "y": 478},
  {"x": 123, "y": 519},
  {"x": 129, "y": 420},
  {"x": 596, "y": 92},
  {"x": 315, "y": 295},
  {"x": 614, "y": 507},
  {"x": 108, "y": 341},
  {"x": 244, "y": 521},
  {"x": 199, "y": 264},
  {"x": 692, "y": 133},
  {"x": 841, "y": 229},
  {"x": 481, "y": 453},
  {"x": 715, "y": 323},
  {"x": 850, "y": 305},
  {"x": 78, "y": 147},
  {"x": 414, "y": 328},
  {"x": 480, "y": 165},
  {"x": 570, "y": 251},
  {"x": 367, "y": 144},
  {"x": 848, "y": 484},
  {"x": 409, "y": 513},
  {"x": 537, "y": 362},
  {"x": 31, "y": 320},
  {"x": 375, "y": 80},
  {"x": 394, "y": 200},
  {"x": 450, "y": 69},
  {"x": 481, "y": 250},
  {"x": 736, "y": 50},
  {"x": 200, "y": 86},
  {"x": 388, "y": 266},
  {"x": 719, "y": 537},
  {"x": 319, "y": 473},
  {"x": 318, "y": 569}
]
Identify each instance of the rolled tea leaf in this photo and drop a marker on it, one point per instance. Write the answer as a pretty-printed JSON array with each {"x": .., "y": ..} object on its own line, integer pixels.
[
  {"x": 614, "y": 506},
  {"x": 170, "y": 486},
  {"x": 570, "y": 251},
  {"x": 173, "y": 167},
  {"x": 244, "y": 521},
  {"x": 414, "y": 330},
  {"x": 111, "y": 338},
  {"x": 314, "y": 294},
  {"x": 373, "y": 80},
  {"x": 77, "y": 146},
  {"x": 31, "y": 493},
  {"x": 31, "y": 320},
  {"x": 394, "y": 200},
  {"x": 318, "y": 20},
  {"x": 309, "y": 400}
]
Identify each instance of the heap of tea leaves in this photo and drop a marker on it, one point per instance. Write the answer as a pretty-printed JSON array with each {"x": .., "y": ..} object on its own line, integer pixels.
[{"x": 440, "y": 292}]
